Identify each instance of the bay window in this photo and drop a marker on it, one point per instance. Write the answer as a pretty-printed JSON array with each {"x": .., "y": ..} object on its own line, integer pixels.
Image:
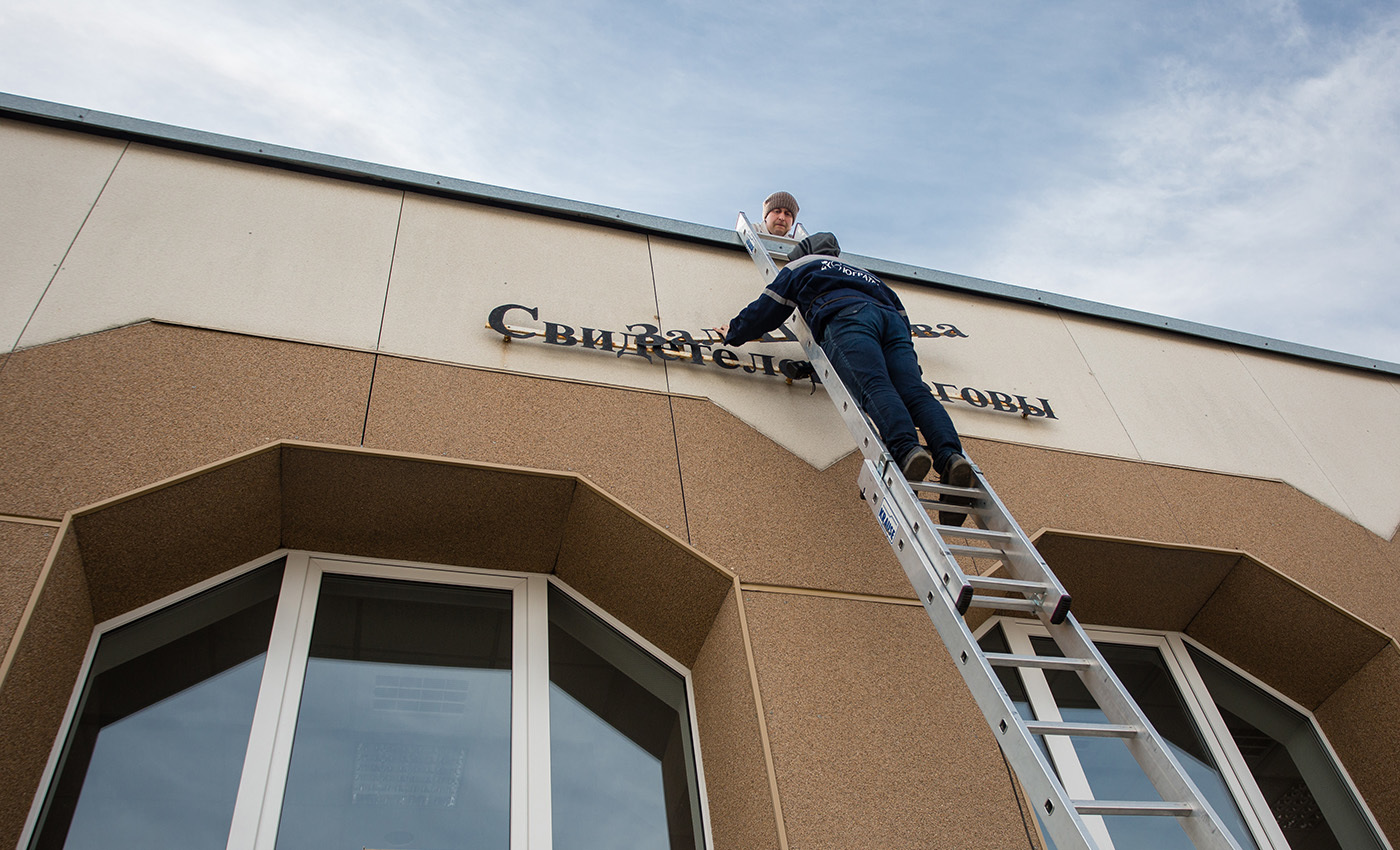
[
  {"x": 1260, "y": 761},
  {"x": 322, "y": 702}
]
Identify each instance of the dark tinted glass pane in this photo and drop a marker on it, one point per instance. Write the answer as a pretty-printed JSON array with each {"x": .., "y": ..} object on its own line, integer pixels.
[
  {"x": 156, "y": 753},
  {"x": 623, "y": 771},
  {"x": 1306, "y": 793},
  {"x": 403, "y": 734},
  {"x": 995, "y": 641}
]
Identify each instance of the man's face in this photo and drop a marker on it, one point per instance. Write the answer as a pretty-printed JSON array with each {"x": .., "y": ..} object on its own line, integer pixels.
[{"x": 779, "y": 220}]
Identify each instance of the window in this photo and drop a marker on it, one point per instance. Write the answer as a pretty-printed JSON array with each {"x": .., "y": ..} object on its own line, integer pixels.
[
  {"x": 1260, "y": 761},
  {"x": 333, "y": 703}
]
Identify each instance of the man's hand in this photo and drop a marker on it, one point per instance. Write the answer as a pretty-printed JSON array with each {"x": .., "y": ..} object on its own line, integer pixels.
[{"x": 722, "y": 330}]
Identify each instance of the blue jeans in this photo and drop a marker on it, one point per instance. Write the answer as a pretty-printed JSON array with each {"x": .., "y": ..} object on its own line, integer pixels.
[{"x": 870, "y": 349}]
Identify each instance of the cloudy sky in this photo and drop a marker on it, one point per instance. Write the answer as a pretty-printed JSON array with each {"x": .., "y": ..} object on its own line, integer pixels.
[{"x": 1235, "y": 163}]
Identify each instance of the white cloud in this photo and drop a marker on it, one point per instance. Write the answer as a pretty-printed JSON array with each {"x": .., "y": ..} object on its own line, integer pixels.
[
  {"x": 921, "y": 132},
  {"x": 1268, "y": 208}
]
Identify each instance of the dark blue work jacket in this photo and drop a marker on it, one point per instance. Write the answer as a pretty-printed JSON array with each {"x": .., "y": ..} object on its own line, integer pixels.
[{"x": 818, "y": 287}]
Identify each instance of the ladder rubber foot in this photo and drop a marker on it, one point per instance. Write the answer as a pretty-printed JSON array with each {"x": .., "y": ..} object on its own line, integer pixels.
[
  {"x": 1061, "y": 610},
  {"x": 964, "y": 599}
]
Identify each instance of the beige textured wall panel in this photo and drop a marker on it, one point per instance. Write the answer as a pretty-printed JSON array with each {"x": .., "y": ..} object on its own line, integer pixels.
[
  {"x": 1116, "y": 583},
  {"x": 1274, "y": 522},
  {"x": 220, "y": 244},
  {"x": 1058, "y": 489},
  {"x": 643, "y": 577},
  {"x": 1195, "y": 404},
  {"x": 876, "y": 740},
  {"x": 420, "y": 510},
  {"x": 456, "y": 262},
  {"x": 1016, "y": 350},
  {"x": 494, "y": 417},
  {"x": 703, "y": 287},
  {"x": 94, "y": 417},
  {"x": 23, "y": 548},
  {"x": 1283, "y": 634},
  {"x": 736, "y": 776},
  {"x": 773, "y": 519},
  {"x": 49, "y": 180},
  {"x": 164, "y": 540},
  {"x": 1349, "y": 423},
  {"x": 1359, "y": 721},
  {"x": 1292, "y": 533},
  {"x": 36, "y": 687}
]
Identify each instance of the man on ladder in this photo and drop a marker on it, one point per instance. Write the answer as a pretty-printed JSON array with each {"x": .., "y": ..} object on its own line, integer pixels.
[
  {"x": 861, "y": 325},
  {"x": 831, "y": 296}
]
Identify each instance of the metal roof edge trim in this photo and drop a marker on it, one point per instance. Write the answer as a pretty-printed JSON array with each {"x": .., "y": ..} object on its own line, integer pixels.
[
  {"x": 169, "y": 135},
  {"x": 46, "y": 112},
  {"x": 1096, "y": 309}
]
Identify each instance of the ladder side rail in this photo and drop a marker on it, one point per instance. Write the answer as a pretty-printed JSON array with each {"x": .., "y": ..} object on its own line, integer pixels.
[
  {"x": 1148, "y": 747},
  {"x": 1056, "y": 809},
  {"x": 784, "y": 243},
  {"x": 1023, "y": 560},
  {"x": 867, "y": 439},
  {"x": 753, "y": 243},
  {"x": 955, "y": 580}
]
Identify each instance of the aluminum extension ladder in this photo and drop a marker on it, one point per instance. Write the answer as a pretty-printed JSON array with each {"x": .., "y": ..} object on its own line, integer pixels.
[{"x": 947, "y": 592}]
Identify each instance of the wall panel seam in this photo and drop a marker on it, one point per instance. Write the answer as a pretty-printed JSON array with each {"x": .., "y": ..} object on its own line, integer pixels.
[
  {"x": 66, "y": 251},
  {"x": 1321, "y": 467},
  {"x": 762, "y": 718}
]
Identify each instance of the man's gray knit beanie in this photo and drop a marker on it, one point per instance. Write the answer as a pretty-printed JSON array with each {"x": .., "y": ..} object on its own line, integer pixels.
[
  {"x": 817, "y": 243},
  {"x": 780, "y": 199}
]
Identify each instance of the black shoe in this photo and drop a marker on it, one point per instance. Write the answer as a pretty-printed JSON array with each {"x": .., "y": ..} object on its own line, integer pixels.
[
  {"x": 957, "y": 472},
  {"x": 916, "y": 464},
  {"x": 796, "y": 370}
]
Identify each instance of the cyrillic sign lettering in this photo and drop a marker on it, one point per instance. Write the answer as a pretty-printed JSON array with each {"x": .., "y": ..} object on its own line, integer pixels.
[
  {"x": 930, "y": 332},
  {"x": 726, "y": 359},
  {"x": 647, "y": 341},
  {"x": 973, "y": 397},
  {"x": 767, "y": 364},
  {"x": 597, "y": 339},
  {"x": 556, "y": 334},
  {"x": 497, "y": 321}
]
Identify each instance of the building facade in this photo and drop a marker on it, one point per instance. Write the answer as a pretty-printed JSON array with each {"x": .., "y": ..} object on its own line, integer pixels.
[{"x": 347, "y": 506}]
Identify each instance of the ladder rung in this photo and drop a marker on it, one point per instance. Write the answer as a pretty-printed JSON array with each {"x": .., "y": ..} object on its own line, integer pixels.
[
  {"x": 980, "y": 534},
  {"x": 1044, "y": 662},
  {"x": 1005, "y": 603},
  {"x": 1123, "y": 807},
  {"x": 976, "y": 551},
  {"x": 930, "y": 504},
  {"x": 944, "y": 489},
  {"x": 1085, "y": 730},
  {"x": 1011, "y": 585}
]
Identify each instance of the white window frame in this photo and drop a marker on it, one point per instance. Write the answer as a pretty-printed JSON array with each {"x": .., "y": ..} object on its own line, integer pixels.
[
  {"x": 257, "y": 809},
  {"x": 1173, "y": 647}
]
